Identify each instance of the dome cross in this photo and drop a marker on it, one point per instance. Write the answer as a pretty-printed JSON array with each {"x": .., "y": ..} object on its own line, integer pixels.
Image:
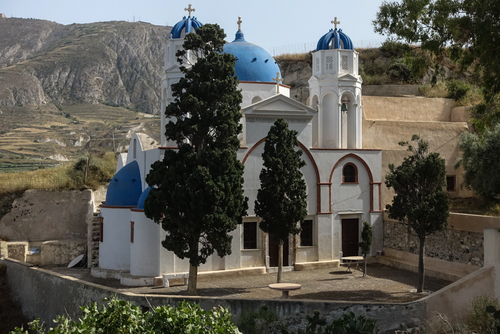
[
  {"x": 278, "y": 80},
  {"x": 335, "y": 22},
  {"x": 189, "y": 9},
  {"x": 239, "y": 22}
]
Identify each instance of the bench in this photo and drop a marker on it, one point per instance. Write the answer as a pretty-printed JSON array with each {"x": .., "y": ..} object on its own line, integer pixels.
[
  {"x": 284, "y": 288},
  {"x": 167, "y": 277},
  {"x": 350, "y": 260}
]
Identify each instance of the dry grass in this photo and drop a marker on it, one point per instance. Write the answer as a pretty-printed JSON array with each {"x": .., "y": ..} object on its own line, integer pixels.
[
  {"x": 438, "y": 90},
  {"x": 294, "y": 57},
  {"x": 54, "y": 178}
]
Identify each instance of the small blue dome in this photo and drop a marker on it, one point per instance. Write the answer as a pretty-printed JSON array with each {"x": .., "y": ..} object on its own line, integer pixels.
[
  {"x": 186, "y": 23},
  {"x": 340, "y": 41},
  {"x": 142, "y": 199},
  {"x": 125, "y": 187},
  {"x": 253, "y": 63}
]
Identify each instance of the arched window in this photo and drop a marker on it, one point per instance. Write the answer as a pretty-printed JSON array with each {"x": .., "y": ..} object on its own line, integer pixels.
[{"x": 349, "y": 173}]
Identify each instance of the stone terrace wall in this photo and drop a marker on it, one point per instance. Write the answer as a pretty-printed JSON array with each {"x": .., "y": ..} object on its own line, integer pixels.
[{"x": 450, "y": 245}]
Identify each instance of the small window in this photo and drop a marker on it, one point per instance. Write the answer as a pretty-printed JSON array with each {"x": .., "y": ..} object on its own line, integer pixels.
[
  {"x": 250, "y": 235},
  {"x": 132, "y": 232},
  {"x": 135, "y": 149},
  {"x": 350, "y": 174},
  {"x": 101, "y": 229},
  {"x": 306, "y": 236},
  {"x": 451, "y": 182}
]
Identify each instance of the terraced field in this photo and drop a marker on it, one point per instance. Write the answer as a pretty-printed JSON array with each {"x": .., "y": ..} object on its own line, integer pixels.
[{"x": 35, "y": 137}]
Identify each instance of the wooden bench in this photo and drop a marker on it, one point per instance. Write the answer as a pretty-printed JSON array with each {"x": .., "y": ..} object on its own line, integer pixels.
[
  {"x": 285, "y": 288},
  {"x": 350, "y": 260},
  {"x": 167, "y": 277}
]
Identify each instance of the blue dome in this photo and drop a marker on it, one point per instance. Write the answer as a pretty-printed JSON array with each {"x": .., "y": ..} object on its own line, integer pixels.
[
  {"x": 142, "y": 199},
  {"x": 338, "y": 36},
  {"x": 186, "y": 23},
  {"x": 253, "y": 63},
  {"x": 125, "y": 187}
]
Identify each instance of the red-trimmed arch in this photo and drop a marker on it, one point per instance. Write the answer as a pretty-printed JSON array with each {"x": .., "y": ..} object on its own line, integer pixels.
[
  {"x": 368, "y": 170},
  {"x": 311, "y": 158}
]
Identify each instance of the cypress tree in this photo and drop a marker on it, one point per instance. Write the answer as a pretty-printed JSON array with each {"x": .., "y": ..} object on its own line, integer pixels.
[
  {"x": 281, "y": 199},
  {"x": 197, "y": 192}
]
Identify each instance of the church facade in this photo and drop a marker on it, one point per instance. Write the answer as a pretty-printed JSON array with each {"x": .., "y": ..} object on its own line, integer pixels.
[{"x": 343, "y": 180}]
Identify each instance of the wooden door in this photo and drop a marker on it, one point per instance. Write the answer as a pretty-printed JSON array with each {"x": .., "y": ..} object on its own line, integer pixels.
[
  {"x": 350, "y": 237},
  {"x": 274, "y": 253}
]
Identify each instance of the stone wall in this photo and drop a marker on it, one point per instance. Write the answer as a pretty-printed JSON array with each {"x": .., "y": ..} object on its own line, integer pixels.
[
  {"x": 44, "y": 294},
  {"x": 450, "y": 245},
  {"x": 41, "y": 215}
]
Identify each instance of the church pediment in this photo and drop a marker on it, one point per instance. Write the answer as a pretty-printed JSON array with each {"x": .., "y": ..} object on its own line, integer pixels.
[
  {"x": 348, "y": 76},
  {"x": 278, "y": 106}
]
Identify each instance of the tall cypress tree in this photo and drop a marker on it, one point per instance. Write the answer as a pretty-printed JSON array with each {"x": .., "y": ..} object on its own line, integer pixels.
[
  {"x": 197, "y": 192},
  {"x": 281, "y": 199}
]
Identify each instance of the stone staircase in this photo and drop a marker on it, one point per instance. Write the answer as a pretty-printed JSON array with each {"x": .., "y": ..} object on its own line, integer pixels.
[{"x": 93, "y": 242}]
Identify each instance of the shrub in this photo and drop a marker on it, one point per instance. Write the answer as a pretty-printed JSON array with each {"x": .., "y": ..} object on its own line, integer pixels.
[
  {"x": 264, "y": 321},
  {"x": 477, "y": 319},
  {"x": 392, "y": 48},
  {"x": 119, "y": 316},
  {"x": 457, "y": 89}
]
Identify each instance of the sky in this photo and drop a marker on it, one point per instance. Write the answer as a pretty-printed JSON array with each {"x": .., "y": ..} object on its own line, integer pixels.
[{"x": 279, "y": 26}]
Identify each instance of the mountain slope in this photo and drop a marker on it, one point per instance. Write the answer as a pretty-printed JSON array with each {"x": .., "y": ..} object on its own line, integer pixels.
[{"x": 115, "y": 62}]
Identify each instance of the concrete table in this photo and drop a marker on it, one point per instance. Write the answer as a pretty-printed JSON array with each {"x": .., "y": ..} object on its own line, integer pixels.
[
  {"x": 350, "y": 260},
  {"x": 285, "y": 288}
]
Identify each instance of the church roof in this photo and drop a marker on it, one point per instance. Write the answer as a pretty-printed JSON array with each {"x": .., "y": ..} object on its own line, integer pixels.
[
  {"x": 142, "y": 199},
  {"x": 340, "y": 41},
  {"x": 125, "y": 187},
  {"x": 186, "y": 24},
  {"x": 253, "y": 63}
]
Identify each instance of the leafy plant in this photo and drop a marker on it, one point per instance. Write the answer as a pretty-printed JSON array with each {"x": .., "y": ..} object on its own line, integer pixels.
[
  {"x": 349, "y": 323},
  {"x": 366, "y": 244},
  {"x": 457, "y": 89},
  {"x": 478, "y": 320},
  {"x": 119, "y": 316},
  {"x": 263, "y": 321}
]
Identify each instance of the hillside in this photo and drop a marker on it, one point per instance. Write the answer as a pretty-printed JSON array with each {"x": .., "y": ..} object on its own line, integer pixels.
[
  {"x": 61, "y": 86},
  {"x": 115, "y": 62}
]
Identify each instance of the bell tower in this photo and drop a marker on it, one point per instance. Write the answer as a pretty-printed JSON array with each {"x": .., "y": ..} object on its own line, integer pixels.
[
  {"x": 172, "y": 72},
  {"x": 335, "y": 92}
]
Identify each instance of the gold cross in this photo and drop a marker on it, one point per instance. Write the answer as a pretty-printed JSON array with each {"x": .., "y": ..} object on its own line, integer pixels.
[
  {"x": 278, "y": 80},
  {"x": 189, "y": 9},
  {"x": 239, "y": 22},
  {"x": 335, "y": 22}
]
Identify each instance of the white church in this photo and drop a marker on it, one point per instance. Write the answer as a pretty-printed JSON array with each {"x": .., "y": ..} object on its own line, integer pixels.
[{"x": 343, "y": 180}]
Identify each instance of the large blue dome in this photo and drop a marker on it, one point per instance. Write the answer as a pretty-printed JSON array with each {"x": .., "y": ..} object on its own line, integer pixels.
[
  {"x": 185, "y": 24},
  {"x": 125, "y": 187},
  {"x": 340, "y": 41},
  {"x": 253, "y": 63}
]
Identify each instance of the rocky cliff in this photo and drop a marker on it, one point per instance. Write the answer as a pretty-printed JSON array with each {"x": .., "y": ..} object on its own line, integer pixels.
[{"x": 112, "y": 62}]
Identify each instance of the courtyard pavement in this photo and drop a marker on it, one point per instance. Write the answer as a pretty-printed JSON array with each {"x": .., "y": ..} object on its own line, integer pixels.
[{"x": 382, "y": 284}]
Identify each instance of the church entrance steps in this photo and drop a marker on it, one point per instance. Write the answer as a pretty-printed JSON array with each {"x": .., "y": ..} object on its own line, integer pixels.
[
  {"x": 316, "y": 265},
  {"x": 93, "y": 242},
  {"x": 436, "y": 268},
  {"x": 275, "y": 269}
]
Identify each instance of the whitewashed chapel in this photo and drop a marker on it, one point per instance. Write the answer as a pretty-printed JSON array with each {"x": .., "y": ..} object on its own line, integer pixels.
[{"x": 343, "y": 179}]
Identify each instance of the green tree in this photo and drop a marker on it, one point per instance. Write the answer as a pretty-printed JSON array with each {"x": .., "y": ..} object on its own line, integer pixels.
[
  {"x": 480, "y": 155},
  {"x": 366, "y": 243},
  {"x": 281, "y": 199},
  {"x": 468, "y": 29},
  {"x": 197, "y": 193},
  {"x": 420, "y": 201}
]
